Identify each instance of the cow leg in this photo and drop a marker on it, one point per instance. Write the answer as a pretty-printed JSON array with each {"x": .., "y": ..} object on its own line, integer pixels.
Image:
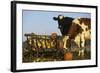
[
  {"x": 79, "y": 52},
  {"x": 65, "y": 42},
  {"x": 78, "y": 42},
  {"x": 83, "y": 44},
  {"x": 83, "y": 51}
]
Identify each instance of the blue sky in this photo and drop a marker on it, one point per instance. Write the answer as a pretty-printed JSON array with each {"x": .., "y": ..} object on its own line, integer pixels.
[{"x": 41, "y": 22}]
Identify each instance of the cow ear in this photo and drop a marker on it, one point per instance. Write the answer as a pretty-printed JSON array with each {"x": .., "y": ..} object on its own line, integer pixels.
[{"x": 55, "y": 18}]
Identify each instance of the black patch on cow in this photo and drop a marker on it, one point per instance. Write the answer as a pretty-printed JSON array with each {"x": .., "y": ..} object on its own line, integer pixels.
[{"x": 86, "y": 21}]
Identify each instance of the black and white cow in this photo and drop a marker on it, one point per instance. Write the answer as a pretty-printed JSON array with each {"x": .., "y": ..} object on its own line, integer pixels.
[
  {"x": 78, "y": 29},
  {"x": 64, "y": 24}
]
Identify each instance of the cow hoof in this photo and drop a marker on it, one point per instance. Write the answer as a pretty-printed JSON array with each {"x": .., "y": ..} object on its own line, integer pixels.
[
  {"x": 66, "y": 48},
  {"x": 79, "y": 55}
]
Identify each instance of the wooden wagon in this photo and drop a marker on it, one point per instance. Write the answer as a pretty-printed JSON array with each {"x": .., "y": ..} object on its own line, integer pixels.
[{"x": 39, "y": 46}]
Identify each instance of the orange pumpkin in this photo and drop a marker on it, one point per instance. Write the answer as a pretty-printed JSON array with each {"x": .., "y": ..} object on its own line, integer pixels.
[{"x": 68, "y": 56}]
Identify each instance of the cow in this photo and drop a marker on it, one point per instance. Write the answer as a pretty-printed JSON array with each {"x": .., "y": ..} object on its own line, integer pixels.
[{"x": 78, "y": 29}]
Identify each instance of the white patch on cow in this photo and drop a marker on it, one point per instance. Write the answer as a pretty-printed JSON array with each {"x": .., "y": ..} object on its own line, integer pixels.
[
  {"x": 83, "y": 26},
  {"x": 87, "y": 34},
  {"x": 83, "y": 39},
  {"x": 76, "y": 21},
  {"x": 77, "y": 40},
  {"x": 65, "y": 41},
  {"x": 61, "y": 17}
]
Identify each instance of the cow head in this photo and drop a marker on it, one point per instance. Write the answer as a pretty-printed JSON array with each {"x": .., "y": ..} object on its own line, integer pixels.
[
  {"x": 64, "y": 23},
  {"x": 59, "y": 19}
]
